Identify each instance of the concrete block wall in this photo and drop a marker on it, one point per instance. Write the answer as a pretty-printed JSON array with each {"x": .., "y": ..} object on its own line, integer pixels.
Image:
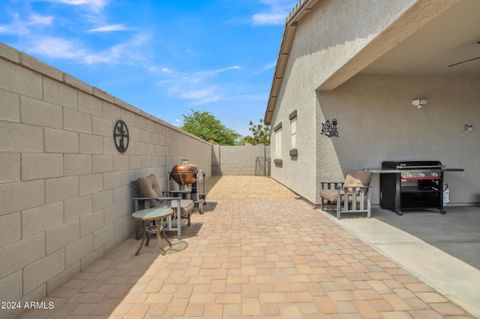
[
  {"x": 64, "y": 188},
  {"x": 241, "y": 160}
]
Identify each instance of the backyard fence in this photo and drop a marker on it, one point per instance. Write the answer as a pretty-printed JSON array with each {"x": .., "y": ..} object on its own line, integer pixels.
[{"x": 245, "y": 160}]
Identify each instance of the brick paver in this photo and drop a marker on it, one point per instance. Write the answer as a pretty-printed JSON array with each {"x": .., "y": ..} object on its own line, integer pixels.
[
  {"x": 246, "y": 187},
  {"x": 261, "y": 258}
]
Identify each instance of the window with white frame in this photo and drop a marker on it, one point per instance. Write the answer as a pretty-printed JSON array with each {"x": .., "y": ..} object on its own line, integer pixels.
[
  {"x": 293, "y": 132},
  {"x": 278, "y": 141}
]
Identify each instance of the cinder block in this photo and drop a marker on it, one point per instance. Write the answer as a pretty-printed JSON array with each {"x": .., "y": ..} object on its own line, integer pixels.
[
  {"x": 102, "y": 200},
  {"x": 76, "y": 207},
  {"x": 91, "y": 258},
  {"x": 91, "y": 223},
  {"x": 78, "y": 84},
  {"x": 41, "y": 165},
  {"x": 10, "y": 167},
  {"x": 91, "y": 144},
  {"x": 134, "y": 162},
  {"x": 20, "y": 137},
  {"x": 58, "y": 93},
  {"x": 38, "y": 293},
  {"x": 77, "y": 121},
  {"x": 102, "y": 163},
  {"x": 79, "y": 249},
  {"x": 115, "y": 179},
  {"x": 62, "y": 277},
  {"x": 109, "y": 146},
  {"x": 102, "y": 236},
  {"x": 10, "y": 228},
  {"x": 59, "y": 141},
  {"x": 41, "y": 218},
  {"x": 91, "y": 183},
  {"x": 103, "y": 95},
  {"x": 40, "y": 113},
  {"x": 9, "y": 53},
  {"x": 121, "y": 194},
  {"x": 102, "y": 127},
  {"x": 42, "y": 270},
  {"x": 140, "y": 148},
  {"x": 40, "y": 67},
  {"x": 11, "y": 287},
  {"x": 123, "y": 227},
  {"x": 62, "y": 235},
  {"x": 77, "y": 164},
  {"x": 62, "y": 188},
  {"x": 20, "y": 253},
  {"x": 9, "y": 106},
  {"x": 89, "y": 104},
  {"x": 20, "y": 80},
  {"x": 111, "y": 213},
  {"x": 111, "y": 112},
  {"x": 20, "y": 195}
]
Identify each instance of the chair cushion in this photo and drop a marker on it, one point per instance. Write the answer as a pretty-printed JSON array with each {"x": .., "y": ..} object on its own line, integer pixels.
[
  {"x": 187, "y": 206},
  {"x": 145, "y": 187},
  {"x": 358, "y": 178},
  {"x": 155, "y": 185},
  {"x": 329, "y": 194}
]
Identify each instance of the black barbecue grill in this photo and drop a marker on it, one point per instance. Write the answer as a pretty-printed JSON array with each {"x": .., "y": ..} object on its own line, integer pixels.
[{"x": 412, "y": 185}]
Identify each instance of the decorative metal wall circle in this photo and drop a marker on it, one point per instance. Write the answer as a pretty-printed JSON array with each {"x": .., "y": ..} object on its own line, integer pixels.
[
  {"x": 329, "y": 129},
  {"x": 121, "y": 136}
]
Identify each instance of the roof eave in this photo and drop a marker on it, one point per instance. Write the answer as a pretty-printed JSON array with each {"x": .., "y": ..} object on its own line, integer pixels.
[{"x": 302, "y": 8}]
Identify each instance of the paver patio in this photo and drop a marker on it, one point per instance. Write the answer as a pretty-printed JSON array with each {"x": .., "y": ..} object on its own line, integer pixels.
[{"x": 250, "y": 258}]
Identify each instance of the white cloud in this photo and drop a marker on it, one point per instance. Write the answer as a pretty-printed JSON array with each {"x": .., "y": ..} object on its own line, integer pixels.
[
  {"x": 96, "y": 5},
  {"x": 109, "y": 28},
  {"x": 276, "y": 13},
  {"x": 222, "y": 70},
  {"x": 196, "y": 87},
  {"x": 269, "y": 65},
  {"x": 128, "y": 52},
  {"x": 37, "y": 19},
  {"x": 19, "y": 26},
  {"x": 158, "y": 69},
  {"x": 54, "y": 47}
]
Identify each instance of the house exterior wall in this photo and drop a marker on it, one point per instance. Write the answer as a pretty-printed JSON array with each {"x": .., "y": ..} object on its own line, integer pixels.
[
  {"x": 377, "y": 123},
  {"x": 325, "y": 40},
  {"x": 64, "y": 188},
  {"x": 245, "y": 160}
]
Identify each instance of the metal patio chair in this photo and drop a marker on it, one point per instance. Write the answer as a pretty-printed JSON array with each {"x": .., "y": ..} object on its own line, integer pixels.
[{"x": 147, "y": 194}]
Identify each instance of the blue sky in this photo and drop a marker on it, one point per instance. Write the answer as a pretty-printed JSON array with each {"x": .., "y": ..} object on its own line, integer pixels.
[{"x": 165, "y": 56}]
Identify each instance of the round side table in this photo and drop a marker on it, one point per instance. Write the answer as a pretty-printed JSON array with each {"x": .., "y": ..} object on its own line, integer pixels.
[{"x": 157, "y": 214}]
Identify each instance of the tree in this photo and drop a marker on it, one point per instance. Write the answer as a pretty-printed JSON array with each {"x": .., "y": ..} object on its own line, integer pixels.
[
  {"x": 208, "y": 128},
  {"x": 260, "y": 133}
]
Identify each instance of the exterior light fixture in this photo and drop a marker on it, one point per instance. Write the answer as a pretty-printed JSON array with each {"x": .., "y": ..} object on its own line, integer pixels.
[{"x": 329, "y": 129}]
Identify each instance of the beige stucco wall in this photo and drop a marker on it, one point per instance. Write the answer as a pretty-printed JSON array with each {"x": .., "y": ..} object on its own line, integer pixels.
[
  {"x": 325, "y": 40},
  {"x": 377, "y": 122},
  {"x": 64, "y": 188}
]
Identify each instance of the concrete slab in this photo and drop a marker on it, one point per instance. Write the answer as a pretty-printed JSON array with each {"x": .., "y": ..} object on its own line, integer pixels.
[
  {"x": 457, "y": 280},
  {"x": 457, "y": 233}
]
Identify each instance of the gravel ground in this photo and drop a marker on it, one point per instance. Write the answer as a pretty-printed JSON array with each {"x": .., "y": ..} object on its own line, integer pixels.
[{"x": 246, "y": 187}]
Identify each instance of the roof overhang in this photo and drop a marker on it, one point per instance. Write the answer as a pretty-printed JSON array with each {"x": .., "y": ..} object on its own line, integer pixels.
[
  {"x": 410, "y": 21},
  {"x": 302, "y": 8}
]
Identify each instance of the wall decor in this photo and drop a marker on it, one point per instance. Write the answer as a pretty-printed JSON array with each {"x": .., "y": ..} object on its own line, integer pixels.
[
  {"x": 121, "y": 136},
  {"x": 329, "y": 129}
]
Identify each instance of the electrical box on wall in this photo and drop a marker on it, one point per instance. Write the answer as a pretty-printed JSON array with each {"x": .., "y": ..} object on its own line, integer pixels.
[{"x": 419, "y": 103}]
